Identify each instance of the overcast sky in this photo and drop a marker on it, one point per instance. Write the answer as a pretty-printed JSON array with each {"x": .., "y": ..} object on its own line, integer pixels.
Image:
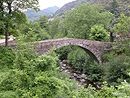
[{"x": 49, "y": 3}]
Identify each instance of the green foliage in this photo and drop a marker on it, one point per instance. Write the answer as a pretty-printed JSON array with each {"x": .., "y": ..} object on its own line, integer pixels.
[
  {"x": 98, "y": 32},
  {"x": 125, "y": 47},
  {"x": 78, "y": 58},
  {"x": 95, "y": 73},
  {"x": 9, "y": 94},
  {"x": 23, "y": 55},
  {"x": 117, "y": 70},
  {"x": 42, "y": 62},
  {"x": 2, "y": 37},
  {"x": 116, "y": 63},
  {"x": 12, "y": 16},
  {"x": 31, "y": 79},
  {"x": 82, "y": 62},
  {"x": 40, "y": 77},
  {"x": 43, "y": 21},
  {"x": 33, "y": 32},
  {"x": 53, "y": 27},
  {"x": 123, "y": 25},
  {"x": 56, "y": 28},
  {"x": 7, "y": 56},
  {"x": 80, "y": 20},
  {"x": 49, "y": 87},
  {"x": 63, "y": 52},
  {"x": 114, "y": 7},
  {"x": 123, "y": 90},
  {"x": 2, "y": 27},
  {"x": 118, "y": 48}
]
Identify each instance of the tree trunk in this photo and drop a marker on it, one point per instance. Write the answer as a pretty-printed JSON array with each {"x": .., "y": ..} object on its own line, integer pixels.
[
  {"x": 6, "y": 39},
  {"x": 111, "y": 37},
  {"x": 7, "y": 25}
]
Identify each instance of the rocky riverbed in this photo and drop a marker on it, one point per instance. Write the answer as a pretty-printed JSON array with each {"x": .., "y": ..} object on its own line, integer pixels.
[{"x": 81, "y": 78}]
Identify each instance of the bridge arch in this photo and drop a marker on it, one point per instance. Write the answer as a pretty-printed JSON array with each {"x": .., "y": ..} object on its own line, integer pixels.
[
  {"x": 94, "y": 48},
  {"x": 84, "y": 48}
]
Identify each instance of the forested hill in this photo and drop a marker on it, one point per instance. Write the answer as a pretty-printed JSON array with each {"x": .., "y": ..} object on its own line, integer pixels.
[
  {"x": 69, "y": 6},
  {"x": 76, "y": 3},
  {"x": 33, "y": 15},
  {"x": 123, "y": 3}
]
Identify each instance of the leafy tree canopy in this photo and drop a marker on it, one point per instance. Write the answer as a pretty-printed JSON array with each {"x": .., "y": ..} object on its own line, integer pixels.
[
  {"x": 80, "y": 20},
  {"x": 11, "y": 13}
]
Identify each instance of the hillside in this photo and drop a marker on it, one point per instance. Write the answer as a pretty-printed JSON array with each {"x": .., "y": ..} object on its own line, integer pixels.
[
  {"x": 69, "y": 6},
  {"x": 76, "y": 3},
  {"x": 124, "y": 5},
  {"x": 33, "y": 15}
]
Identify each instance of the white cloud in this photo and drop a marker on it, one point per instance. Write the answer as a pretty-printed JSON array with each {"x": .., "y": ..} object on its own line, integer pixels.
[{"x": 49, "y": 3}]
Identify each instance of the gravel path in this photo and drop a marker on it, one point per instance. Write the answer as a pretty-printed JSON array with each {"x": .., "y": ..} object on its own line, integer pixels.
[{"x": 2, "y": 41}]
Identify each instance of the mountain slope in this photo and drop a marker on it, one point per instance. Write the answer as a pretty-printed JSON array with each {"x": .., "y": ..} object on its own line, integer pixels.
[
  {"x": 33, "y": 15},
  {"x": 124, "y": 4},
  {"x": 69, "y": 6}
]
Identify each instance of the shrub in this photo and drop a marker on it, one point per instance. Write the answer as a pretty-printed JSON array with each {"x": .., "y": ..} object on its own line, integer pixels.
[
  {"x": 23, "y": 54},
  {"x": 78, "y": 58},
  {"x": 47, "y": 86},
  {"x": 15, "y": 80},
  {"x": 117, "y": 70},
  {"x": 63, "y": 52},
  {"x": 81, "y": 61},
  {"x": 45, "y": 63},
  {"x": 98, "y": 32},
  {"x": 7, "y": 57},
  {"x": 8, "y": 94}
]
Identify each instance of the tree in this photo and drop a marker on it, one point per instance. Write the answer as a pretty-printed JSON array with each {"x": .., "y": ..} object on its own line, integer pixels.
[
  {"x": 123, "y": 25},
  {"x": 114, "y": 9},
  {"x": 32, "y": 31},
  {"x": 12, "y": 12},
  {"x": 98, "y": 32},
  {"x": 43, "y": 21},
  {"x": 80, "y": 20},
  {"x": 53, "y": 27},
  {"x": 1, "y": 17},
  {"x": 117, "y": 69},
  {"x": 124, "y": 6},
  {"x": 57, "y": 28}
]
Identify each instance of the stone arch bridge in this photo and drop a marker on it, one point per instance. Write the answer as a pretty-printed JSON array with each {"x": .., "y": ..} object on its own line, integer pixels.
[{"x": 94, "y": 48}]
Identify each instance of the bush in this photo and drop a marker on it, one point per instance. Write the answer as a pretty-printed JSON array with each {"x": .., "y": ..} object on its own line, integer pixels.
[
  {"x": 47, "y": 86},
  {"x": 36, "y": 79},
  {"x": 81, "y": 61},
  {"x": 8, "y": 94},
  {"x": 78, "y": 58},
  {"x": 116, "y": 63},
  {"x": 23, "y": 54},
  {"x": 15, "y": 80},
  {"x": 117, "y": 70},
  {"x": 98, "y": 32},
  {"x": 63, "y": 52},
  {"x": 7, "y": 57},
  {"x": 45, "y": 63}
]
